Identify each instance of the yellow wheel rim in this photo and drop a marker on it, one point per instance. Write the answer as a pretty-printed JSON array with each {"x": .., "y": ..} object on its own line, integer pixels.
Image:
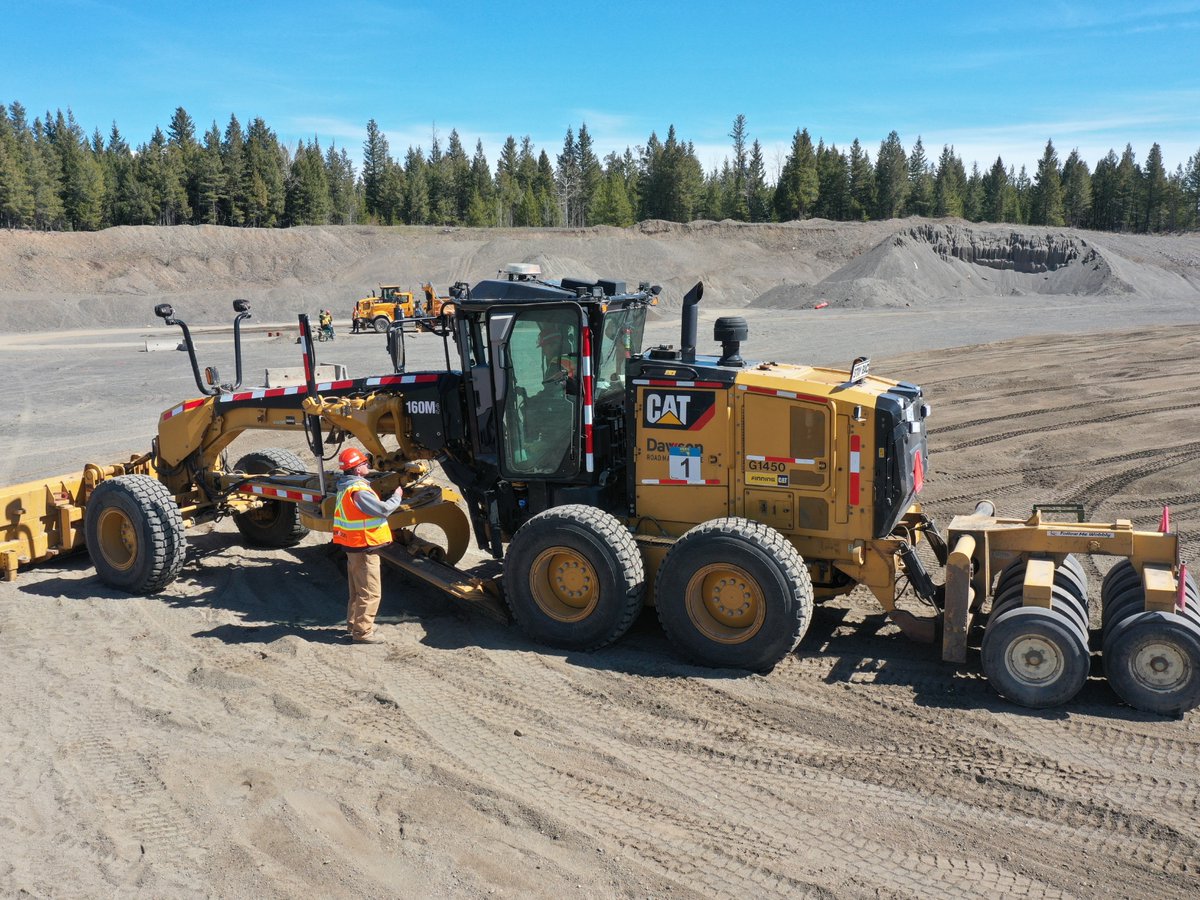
[
  {"x": 564, "y": 584},
  {"x": 118, "y": 539},
  {"x": 725, "y": 603}
]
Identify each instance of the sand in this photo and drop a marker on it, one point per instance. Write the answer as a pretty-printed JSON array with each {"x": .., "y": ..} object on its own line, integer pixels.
[{"x": 218, "y": 740}]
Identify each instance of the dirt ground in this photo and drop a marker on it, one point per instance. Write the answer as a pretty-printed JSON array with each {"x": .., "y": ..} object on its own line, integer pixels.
[{"x": 218, "y": 739}]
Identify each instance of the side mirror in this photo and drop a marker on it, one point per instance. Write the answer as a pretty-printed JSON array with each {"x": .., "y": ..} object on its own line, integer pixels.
[
  {"x": 395, "y": 346},
  {"x": 241, "y": 306},
  {"x": 164, "y": 311}
]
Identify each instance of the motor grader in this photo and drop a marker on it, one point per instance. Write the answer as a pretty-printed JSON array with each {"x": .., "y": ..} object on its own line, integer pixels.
[{"x": 731, "y": 495}]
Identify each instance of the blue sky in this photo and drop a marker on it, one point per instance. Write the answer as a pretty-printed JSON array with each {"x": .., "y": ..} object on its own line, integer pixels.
[{"x": 991, "y": 80}]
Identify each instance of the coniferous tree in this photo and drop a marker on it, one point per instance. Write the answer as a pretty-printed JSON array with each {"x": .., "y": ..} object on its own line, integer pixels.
[
  {"x": 482, "y": 189},
  {"x": 233, "y": 167},
  {"x": 1191, "y": 189},
  {"x": 542, "y": 181},
  {"x": 1129, "y": 177},
  {"x": 833, "y": 177},
  {"x": 891, "y": 177},
  {"x": 1105, "y": 204},
  {"x": 1154, "y": 191},
  {"x": 307, "y": 196},
  {"x": 973, "y": 195},
  {"x": 263, "y": 177},
  {"x": 1077, "y": 191},
  {"x": 460, "y": 186},
  {"x": 1046, "y": 201},
  {"x": 758, "y": 193},
  {"x": 209, "y": 179},
  {"x": 16, "y": 197},
  {"x": 182, "y": 146},
  {"x": 343, "y": 198},
  {"x": 995, "y": 190},
  {"x": 799, "y": 183},
  {"x": 376, "y": 156},
  {"x": 567, "y": 178},
  {"x": 416, "y": 192},
  {"x": 45, "y": 178},
  {"x": 862, "y": 183},
  {"x": 737, "y": 206},
  {"x": 949, "y": 185},
  {"x": 920, "y": 182},
  {"x": 590, "y": 174}
]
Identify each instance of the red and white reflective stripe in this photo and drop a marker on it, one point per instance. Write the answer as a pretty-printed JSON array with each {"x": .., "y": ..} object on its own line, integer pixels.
[
  {"x": 383, "y": 380},
  {"x": 263, "y": 490},
  {"x": 335, "y": 385},
  {"x": 182, "y": 407},
  {"x": 588, "y": 446},
  {"x": 790, "y": 460},
  {"x": 772, "y": 392},
  {"x": 679, "y": 481},
  {"x": 264, "y": 392},
  {"x": 855, "y": 468},
  {"x": 660, "y": 382}
]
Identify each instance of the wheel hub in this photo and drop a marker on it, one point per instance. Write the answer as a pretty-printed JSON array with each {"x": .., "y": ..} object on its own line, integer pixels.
[
  {"x": 564, "y": 584},
  {"x": 1160, "y": 666},
  {"x": 118, "y": 539},
  {"x": 1034, "y": 660},
  {"x": 726, "y": 603}
]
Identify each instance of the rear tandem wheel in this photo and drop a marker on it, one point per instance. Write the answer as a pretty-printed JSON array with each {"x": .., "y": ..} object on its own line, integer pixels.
[
  {"x": 734, "y": 593},
  {"x": 574, "y": 577},
  {"x": 1035, "y": 657}
]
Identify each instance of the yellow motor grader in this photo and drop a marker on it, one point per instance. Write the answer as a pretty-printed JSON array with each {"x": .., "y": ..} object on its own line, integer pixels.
[{"x": 729, "y": 494}]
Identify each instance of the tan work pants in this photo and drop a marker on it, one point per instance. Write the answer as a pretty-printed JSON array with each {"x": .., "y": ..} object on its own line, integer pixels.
[{"x": 362, "y": 570}]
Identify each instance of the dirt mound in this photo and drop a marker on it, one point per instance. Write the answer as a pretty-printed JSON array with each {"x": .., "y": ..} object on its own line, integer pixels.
[
  {"x": 938, "y": 262},
  {"x": 114, "y": 277}
]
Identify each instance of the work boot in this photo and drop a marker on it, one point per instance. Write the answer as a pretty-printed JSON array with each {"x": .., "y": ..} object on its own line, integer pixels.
[{"x": 372, "y": 638}]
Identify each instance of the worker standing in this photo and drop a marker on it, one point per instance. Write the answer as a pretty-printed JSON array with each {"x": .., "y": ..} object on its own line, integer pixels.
[{"x": 360, "y": 526}]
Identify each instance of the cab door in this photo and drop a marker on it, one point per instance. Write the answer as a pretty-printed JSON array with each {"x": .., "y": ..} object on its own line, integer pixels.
[{"x": 538, "y": 388}]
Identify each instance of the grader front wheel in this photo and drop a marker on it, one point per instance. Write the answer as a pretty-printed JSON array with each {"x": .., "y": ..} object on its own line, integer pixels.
[{"x": 134, "y": 534}]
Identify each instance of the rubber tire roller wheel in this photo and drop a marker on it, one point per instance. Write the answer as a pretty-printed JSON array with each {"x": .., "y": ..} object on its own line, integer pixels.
[
  {"x": 1152, "y": 661},
  {"x": 1049, "y": 639},
  {"x": 720, "y": 563},
  {"x": 277, "y": 522},
  {"x": 573, "y": 578},
  {"x": 134, "y": 534}
]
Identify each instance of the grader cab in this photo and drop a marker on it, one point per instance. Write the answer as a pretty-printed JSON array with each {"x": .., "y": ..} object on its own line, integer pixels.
[{"x": 731, "y": 495}]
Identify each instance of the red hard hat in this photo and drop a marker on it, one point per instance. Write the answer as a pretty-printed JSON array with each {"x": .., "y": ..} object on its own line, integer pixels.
[{"x": 351, "y": 458}]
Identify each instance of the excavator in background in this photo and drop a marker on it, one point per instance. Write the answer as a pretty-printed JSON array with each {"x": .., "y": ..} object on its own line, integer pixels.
[{"x": 729, "y": 494}]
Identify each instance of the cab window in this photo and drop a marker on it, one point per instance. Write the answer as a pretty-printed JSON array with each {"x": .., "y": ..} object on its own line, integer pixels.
[{"x": 541, "y": 422}]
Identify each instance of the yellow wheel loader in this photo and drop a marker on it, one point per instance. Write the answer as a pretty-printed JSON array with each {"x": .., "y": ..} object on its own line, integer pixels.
[
  {"x": 730, "y": 494},
  {"x": 379, "y": 313}
]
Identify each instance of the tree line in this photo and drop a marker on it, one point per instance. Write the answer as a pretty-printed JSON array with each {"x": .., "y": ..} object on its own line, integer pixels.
[{"x": 53, "y": 176}]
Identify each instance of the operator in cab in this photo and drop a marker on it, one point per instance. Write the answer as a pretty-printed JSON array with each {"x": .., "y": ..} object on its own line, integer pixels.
[{"x": 361, "y": 528}]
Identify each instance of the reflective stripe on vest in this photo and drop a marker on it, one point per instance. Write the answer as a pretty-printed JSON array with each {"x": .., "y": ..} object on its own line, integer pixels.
[{"x": 354, "y": 528}]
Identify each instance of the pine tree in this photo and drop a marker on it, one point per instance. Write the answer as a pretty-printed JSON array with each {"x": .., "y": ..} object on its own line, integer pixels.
[
  {"x": 1129, "y": 177},
  {"x": 1154, "y": 190},
  {"x": 973, "y": 195},
  {"x": 509, "y": 193},
  {"x": 591, "y": 176},
  {"x": 307, "y": 195},
  {"x": 233, "y": 167},
  {"x": 995, "y": 192},
  {"x": 263, "y": 178},
  {"x": 949, "y": 185},
  {"x": 482, "y": 190},
  {"x": 920, "y": 182},
  {"x": 891, "y": 177},
  {"x": 862, "y": 183},
  {"x": 760, "y": 196},
  {"x": 16, "y": 197},
  {"x": 343, "y": 199},
  {"x": 738, "y": 207},
  {"x": 45, "y": 178},
  {"x": 833, "y": 175},
  {"x": 799, "y": 183},
  {"x": 181, "y": 144},
  {"x": 416, "y": 192},
  {"x": 1105, "y": 205},
  {"x": 209, "y": 178},
  {"x": 1191, "y": 189},
  {"x": 567, "y": 179},
  {"x": 1077, "y": 191},
  {"x": 1047, "y": 206},
  {"x": 375, "y": 159}
]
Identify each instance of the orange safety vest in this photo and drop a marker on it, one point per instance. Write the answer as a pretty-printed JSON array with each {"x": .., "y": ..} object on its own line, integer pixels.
[{"x": 354, "y": 528}]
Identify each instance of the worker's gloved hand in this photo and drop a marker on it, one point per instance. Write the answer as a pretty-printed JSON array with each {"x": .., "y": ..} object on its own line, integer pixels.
[{"x": 397, "y": 494}]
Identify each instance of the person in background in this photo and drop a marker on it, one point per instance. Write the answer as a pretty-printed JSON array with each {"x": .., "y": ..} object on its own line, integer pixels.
[{"x": 360, "y": 527}]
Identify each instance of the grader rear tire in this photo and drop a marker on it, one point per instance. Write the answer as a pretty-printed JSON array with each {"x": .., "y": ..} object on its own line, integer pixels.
[
  {"x": 134, "y": 534},
  {"x": 574, "y": 578},
  {"x": 732, "y": 593},
  {"x": 276, "y": 523}
]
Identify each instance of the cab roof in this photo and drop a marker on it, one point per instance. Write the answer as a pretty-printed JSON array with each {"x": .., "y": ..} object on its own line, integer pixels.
[{"x": 497, "y": 291}]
